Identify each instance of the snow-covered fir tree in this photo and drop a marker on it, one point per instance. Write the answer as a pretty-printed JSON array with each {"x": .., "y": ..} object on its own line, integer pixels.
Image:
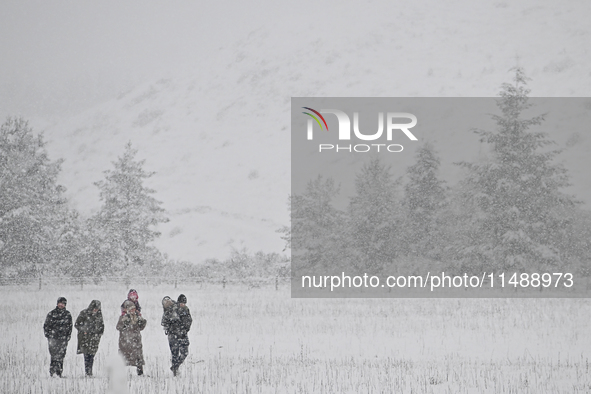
[
  {"x": 316, "y": 227},
  {"x": 374, "y": 220},
  {"x": 424, "y": 198},
  {"x": 125, "y": 226},
  {"x": 518, "y": 193},
  {"x": 33, "y": 212},
  {"x": 70, "y": 243}
]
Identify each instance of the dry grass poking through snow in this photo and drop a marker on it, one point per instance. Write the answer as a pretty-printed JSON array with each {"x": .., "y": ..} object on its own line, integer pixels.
[{"x": 262, "y": 341}]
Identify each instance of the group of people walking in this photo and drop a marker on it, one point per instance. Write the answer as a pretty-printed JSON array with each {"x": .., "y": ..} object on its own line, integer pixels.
[{"x": 176, "y": 320}]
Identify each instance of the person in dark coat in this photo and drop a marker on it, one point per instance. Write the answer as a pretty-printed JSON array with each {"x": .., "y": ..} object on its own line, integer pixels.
[
  {"x": 133, "y": 297},
  {"x": 177, "y": 321},
  {"x": 90, "y": 328},
  {"x": 58, "y": 329},
  {"x": 130, "y": 326}
]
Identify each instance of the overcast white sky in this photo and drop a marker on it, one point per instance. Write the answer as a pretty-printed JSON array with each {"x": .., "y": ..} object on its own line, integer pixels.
[
  {"x": 61, "y": 56},
  {"x": 58, "y": 57}
]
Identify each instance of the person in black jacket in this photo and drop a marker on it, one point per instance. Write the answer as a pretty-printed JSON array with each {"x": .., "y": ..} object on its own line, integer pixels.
[
  {"x": 177, "y": 320},
  {"x": 58, "y": 329},
  {"x": 90, "y": 326}
]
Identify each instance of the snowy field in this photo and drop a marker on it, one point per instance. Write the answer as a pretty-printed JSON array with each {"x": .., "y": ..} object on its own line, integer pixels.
[{"x": 262, "y": 341}]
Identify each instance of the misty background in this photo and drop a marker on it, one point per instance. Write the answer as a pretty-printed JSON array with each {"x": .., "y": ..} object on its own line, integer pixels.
[{"x": 203, "y": 92}]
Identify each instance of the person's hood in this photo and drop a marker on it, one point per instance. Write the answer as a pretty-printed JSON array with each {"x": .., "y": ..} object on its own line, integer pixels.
[{"x": 94, "y": 304}]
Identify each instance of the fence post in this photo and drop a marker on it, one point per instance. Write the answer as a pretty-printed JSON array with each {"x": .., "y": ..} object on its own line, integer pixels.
[
  {"x": 81, "y": 283},
  {"x": 39, "y": 283},
  {"x": 224, "y": 282},
  {"x": 277, "y": 282}
]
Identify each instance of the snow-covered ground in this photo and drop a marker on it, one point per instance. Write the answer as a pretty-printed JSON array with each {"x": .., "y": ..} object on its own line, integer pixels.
[{"x": 262, "y": 341}]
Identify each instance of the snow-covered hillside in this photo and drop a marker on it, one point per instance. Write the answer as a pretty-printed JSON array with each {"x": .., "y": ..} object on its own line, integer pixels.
[{"x": 218, "y": 136}]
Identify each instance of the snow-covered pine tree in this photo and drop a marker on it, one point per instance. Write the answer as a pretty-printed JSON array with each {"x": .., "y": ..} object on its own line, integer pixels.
[
  {"x": 70, "y": 244},
  {"x": 373, "y": 218},
  {"x": 124, "y": 227},
  {"x": 33, "y": 210},
  {"x": 517, "y": 193},
  {"x": 424, "y": 198},
  {"x": 315, "y": 236}
]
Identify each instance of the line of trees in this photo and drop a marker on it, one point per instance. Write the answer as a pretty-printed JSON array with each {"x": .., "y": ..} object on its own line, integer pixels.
[
  {"x": 40, "y": 233},
  {"x": 508, "y": 213}
]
